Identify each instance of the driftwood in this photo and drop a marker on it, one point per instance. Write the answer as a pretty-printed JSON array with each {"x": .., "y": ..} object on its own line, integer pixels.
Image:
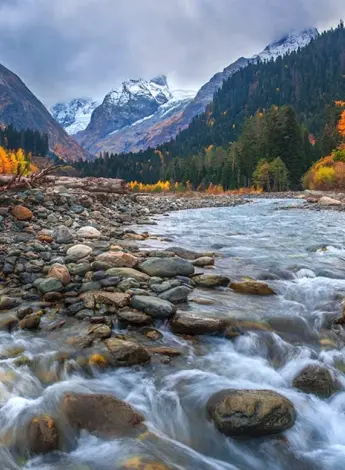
[{"x": 100, "y": 185}]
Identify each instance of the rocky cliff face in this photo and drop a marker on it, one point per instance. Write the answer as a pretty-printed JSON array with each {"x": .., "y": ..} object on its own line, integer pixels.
[{"x": 19, "y": 107}]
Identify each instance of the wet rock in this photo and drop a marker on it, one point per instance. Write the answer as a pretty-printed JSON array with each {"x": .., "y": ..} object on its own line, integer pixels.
[
  {"x": 159, "y": 287},
  {"x": 99, "y": 331},
  {"x": 250, "y": 413},
  {"x": 204, "y": 261},
  {"x": 22, "y": 213},
  {"x": 6, "y": 303},
  {"x": 128, "y": 273},
  {"x": 84, "y": 314},
  {"x": 30, "y": 322},
  {"x": 80, "y": 342},
  {"x": 102, "y": 415},
  {"x": 116, "y": 299},
  {"x": 126, "y": 353},
  {"x": 153, "y": 306},
  {"x": 211, "y": 280},
  {"x": 42, "y": 435},
  {"x": 317, "y": 380},
  {"x": 118, "y": 259},
  {"x": 50, "y": 284},
  {"x": 252, "y": 288},
  {"x": 142, "y": 463},
  {"x": 110, "y": 281},
  {"x": 190, "y": 324},
  {"x": 8, "y": 322},
  {"x": 176, "y": 295},
  {"x": 88, "y": 232},
  {"x": 23, "y": 312},
  {"x": 134, "y": 318},
  {"x": 185, "y": 254},
  {"x": 167, "y": 267},
  {"x": 151, "y": 333},
  {"x": 62, "y": 235},
  {"x": 165, "y": 351},
  {"x": 79, "y": 251},
  {"x": 60, "y": 272}
]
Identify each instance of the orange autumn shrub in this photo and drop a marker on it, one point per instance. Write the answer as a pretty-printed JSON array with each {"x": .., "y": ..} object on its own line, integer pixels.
[{"x": 15, "y": 162}]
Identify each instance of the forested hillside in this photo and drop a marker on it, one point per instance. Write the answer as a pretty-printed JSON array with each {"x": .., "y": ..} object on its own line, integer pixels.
[{"x": 283, "y": 108}]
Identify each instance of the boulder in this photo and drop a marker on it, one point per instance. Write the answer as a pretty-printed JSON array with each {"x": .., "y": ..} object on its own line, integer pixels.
[
  {"x": 118, "y": 259},
  {"x": 203, "y": 261},
  {"x": 176, "y": 295},
  {"x": 88, "y": 232},
  {"x": 185, "y": 254},
  {"x": 22, "y": 213},
  {"x": 62, "y": 235},
  {"x": 42, "y": 435},
  {"x": 190, "y": 324},
  {"x": 79, "y": 251},
  {"x": 134, "y": 318},
  {"x": 126, "y": 353},
  {"x": 252, "y": 288},
  {"x": 328, "y": 201},
  {"x": 128, "y": 273},
  {"x": 116, "y": 299},
  {"x": 153, "y": 306},
  {"x": 50, "y": 284},
  {"x": 250, "y": 413},
  {"x": 30, "y": 322},
  {"x": 102, "y": 415},
  {"x": 317, "y": 380},
  {"x": 60, "y": 272},
  {"x": 99, "y": 331},
  {"x": 211, "y": 280},
  {"x": 167, "y": 267},
  {"x": 6, "y": 303}
]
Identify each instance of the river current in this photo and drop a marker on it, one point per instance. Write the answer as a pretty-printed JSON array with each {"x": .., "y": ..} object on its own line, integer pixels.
[{"x": 301, "y": 255}]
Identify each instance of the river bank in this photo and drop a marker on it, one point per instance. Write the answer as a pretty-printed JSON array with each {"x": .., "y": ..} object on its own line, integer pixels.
[{"x": 106, "y": 298}]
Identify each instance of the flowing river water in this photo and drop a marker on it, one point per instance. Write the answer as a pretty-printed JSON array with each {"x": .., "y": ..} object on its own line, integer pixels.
[{"x": 301, "y": 255}]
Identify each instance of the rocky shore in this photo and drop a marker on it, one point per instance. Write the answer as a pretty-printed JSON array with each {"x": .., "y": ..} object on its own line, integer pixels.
[{"x": 73, "y": 272}]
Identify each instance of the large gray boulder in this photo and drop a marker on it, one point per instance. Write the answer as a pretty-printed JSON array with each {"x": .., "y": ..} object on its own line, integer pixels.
[
  {"x": 153, "y": 306},
  {"x": 176, "y": 295},
  {"x": 250, "y": 413},
  {"x": 167, "y": 267}
]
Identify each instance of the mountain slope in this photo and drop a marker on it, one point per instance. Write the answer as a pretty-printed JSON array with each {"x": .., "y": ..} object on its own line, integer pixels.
[
  {"x": 19, "y": 107},
  {"x": 288, "y": 43},
  {"x": 296, "y": 92},
  {"x": 131, "y": 117}
]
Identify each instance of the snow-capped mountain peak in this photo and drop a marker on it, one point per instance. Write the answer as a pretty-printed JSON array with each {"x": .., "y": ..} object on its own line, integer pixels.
[
  {"x": 156, "y": 90},
  {"x": 289, "y": 43},
  {"x": 75, "y": 115}
]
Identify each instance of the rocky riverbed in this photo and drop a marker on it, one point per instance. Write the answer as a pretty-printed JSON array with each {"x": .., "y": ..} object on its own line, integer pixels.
[{"x": 97, "y": 300}]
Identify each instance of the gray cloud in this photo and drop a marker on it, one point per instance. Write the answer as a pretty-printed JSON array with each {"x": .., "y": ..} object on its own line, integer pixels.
[{"x": 68, "y": 48}]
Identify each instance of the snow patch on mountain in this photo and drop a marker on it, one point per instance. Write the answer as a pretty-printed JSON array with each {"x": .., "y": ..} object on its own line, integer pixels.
[
  {"x": 289, "y": 43},
  {"x": 74, "y": 116}
]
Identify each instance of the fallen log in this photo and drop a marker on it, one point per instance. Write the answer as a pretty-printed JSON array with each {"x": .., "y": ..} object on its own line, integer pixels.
[{"x": 91, "y": 184}]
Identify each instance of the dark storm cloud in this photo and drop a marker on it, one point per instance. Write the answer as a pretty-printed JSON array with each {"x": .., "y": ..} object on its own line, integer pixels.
[{"x": 68, "y": 48}]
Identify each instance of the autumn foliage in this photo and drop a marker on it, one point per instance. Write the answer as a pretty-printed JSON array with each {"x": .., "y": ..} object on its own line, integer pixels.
[
  {"x": 329, "y": 172},
  {"x": 169, "y": 187},
  {"x": 15, "y": 162}
]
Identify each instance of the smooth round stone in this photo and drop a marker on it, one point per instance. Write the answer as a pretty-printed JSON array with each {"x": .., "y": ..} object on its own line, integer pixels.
[
  {"x": 79, "y": 251},
  {"x": 89, "y": 232}
]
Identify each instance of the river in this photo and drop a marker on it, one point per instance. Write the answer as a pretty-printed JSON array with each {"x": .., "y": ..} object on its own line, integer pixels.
[{"x": 301, "y": 255}]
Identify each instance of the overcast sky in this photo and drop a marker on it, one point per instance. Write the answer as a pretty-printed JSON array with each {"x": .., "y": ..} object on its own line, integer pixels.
[{"x": 70, "y": 48}]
